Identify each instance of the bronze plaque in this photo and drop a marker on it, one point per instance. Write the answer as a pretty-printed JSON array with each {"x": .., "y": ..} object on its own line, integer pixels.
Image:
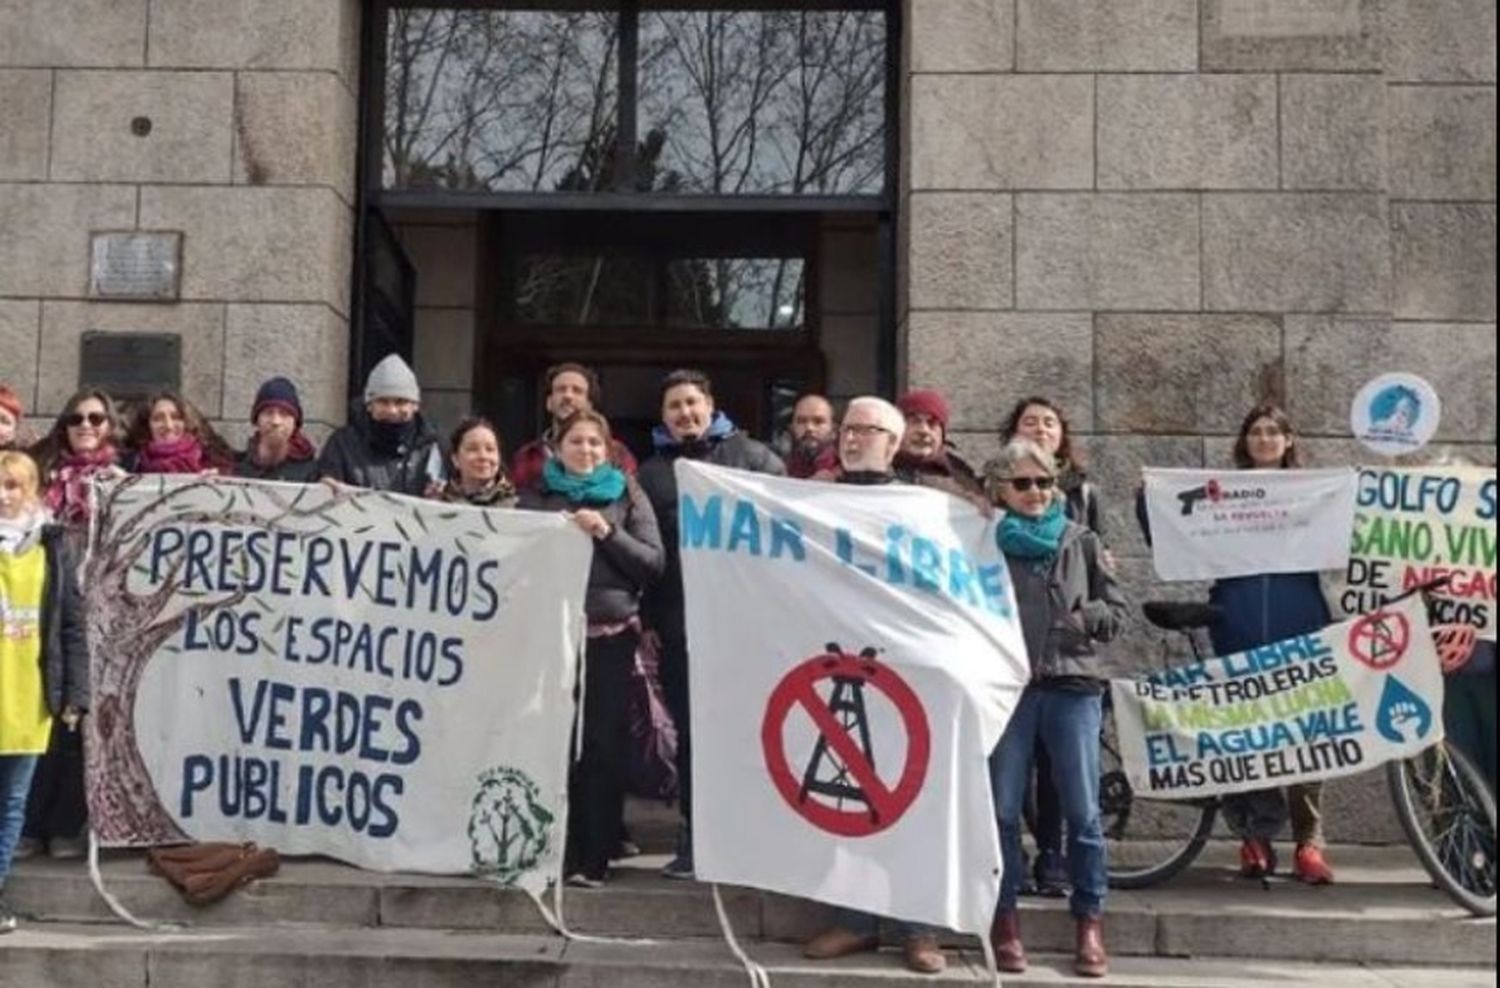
[{"x": 130, "y": 366}]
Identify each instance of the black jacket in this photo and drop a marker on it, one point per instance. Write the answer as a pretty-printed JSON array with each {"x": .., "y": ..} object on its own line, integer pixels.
[
  {"x": 65, "y": 646},
  {"x": 626, "y": 561},
  {"x": 351, "y": 457},
  {"x": 664, "y": 605}
]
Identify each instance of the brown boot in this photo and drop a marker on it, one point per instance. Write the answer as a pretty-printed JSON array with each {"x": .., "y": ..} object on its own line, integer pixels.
[
  {"x": 1091, "y": 960},
  {"x": 924, "y": 956},
  {"x": 838, "y": 942},
  {"x": 1005, "y": 937}
]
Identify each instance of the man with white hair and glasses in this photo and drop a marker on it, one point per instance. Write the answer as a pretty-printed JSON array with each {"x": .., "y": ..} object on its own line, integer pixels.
[{"x": 868, "y": 439}]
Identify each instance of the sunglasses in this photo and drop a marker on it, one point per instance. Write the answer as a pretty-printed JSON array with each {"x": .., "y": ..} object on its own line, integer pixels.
[
  {"x": 95, "y": 419},
  {"x": 1024, "y": 484}
]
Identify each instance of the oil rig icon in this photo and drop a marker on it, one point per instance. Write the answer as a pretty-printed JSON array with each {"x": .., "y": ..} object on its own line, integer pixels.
[{"x": 827, "y": 774}]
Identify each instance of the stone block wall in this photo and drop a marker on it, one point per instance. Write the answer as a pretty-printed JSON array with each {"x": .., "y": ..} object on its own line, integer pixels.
[
  {"x": 250, "y": 155},
  {"x": 1160, "y": 211}
]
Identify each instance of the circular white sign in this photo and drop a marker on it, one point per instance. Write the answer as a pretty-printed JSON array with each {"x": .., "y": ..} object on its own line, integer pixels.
[{"x": 1396, "y": 414}]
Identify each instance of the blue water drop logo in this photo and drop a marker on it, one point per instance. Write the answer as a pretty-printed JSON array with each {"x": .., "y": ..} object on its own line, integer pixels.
[{"x": 1404, "y": 716}]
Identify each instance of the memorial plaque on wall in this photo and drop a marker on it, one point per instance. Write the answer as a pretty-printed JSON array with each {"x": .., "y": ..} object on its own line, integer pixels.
[
  {"x": 130, "y": 366},
  {"x": 136, "y": 266}
]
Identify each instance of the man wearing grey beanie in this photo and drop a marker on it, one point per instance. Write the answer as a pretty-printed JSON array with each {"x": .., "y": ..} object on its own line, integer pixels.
[{"x": 388, "y": 445}]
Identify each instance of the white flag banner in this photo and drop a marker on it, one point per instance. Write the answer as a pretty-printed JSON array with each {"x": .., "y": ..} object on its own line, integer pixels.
[
  {"x": 855, "y": 656},
  {"x": 1337, "y": 702},
  {"x": 1211, "y": 524},
  {"x": 379, "y": 679}
]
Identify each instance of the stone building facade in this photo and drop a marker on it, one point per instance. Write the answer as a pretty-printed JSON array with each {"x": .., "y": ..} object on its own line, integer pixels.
[{"x": 1155, "y": 211}]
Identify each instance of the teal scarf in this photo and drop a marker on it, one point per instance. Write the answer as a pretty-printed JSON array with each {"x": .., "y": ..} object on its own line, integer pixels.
[
  {"x": 605, "y": 485},
  {"x": 1033, "y": 538}
]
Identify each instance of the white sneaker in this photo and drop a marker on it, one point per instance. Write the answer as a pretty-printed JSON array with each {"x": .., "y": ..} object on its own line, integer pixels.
[
  {"x": 28, "y": 847},
  {"x": 579, "y": 880}
]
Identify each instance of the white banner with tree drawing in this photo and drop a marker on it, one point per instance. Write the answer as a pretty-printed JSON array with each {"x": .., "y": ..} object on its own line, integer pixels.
[{"x": 379, "y": 679}]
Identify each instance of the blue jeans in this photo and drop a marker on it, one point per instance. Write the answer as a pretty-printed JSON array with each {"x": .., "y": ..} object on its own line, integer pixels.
[
  {"x": 15, "y": 786},
  {"x": 1067, "y": 723},
  {"x": 868, "y": 924}
]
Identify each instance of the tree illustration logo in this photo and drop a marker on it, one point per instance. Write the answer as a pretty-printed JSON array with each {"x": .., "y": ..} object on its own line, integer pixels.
[{"x": 510, "y": 830}]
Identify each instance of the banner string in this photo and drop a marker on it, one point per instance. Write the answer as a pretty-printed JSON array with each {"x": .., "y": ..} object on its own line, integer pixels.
[
  {"x": 989, "y": 960},
  {"x": 115, "y": 905},
  {"x": 759, "y": 976}
]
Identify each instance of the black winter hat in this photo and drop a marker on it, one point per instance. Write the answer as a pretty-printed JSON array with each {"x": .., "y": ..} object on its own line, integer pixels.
[{"x": 277, "y": 391}]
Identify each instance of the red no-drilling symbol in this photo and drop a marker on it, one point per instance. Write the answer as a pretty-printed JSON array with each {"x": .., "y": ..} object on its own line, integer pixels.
[
  {"x": 1380, "y": 640},
  {"x": 855, "y": 801}
]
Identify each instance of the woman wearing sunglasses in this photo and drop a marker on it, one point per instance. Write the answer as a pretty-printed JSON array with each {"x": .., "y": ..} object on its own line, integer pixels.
[
  {"x": 1069, "y": 603},
  {"x": 83, "y": 442},
  {"x": 82, "y": 445}
]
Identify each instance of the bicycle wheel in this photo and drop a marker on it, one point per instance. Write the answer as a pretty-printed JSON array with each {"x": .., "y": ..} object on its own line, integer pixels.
[
  {"x": 1147, "y": 841},
  {"x": 1448, "y": 812}
]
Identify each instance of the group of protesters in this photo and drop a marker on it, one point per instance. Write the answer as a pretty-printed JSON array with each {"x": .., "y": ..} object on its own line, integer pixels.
[{"x": 1050, "y": 530}]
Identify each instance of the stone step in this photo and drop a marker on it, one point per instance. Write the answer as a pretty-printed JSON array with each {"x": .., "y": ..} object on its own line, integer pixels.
[
  {"x": 48, "y": 955},
  {"x": 1381, "y": 911}
]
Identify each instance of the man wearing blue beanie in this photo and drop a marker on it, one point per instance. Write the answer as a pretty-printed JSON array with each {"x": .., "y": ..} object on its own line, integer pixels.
[{"x": 278, "y": 449}]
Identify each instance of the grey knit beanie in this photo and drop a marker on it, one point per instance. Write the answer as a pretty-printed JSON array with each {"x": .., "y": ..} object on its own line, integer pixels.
[{"x": 392, "y": 378}]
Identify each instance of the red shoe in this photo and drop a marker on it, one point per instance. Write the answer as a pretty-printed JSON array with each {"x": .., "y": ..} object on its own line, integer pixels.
[
  {"x": 1257, "y": 859},
  {"x": 1310, "y": 867}
]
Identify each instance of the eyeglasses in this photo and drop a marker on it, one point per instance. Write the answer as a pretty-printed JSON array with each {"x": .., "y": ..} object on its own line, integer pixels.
[
  {"x": 95, "y": 419},
  {"x": 865, "y": 431},
  {"x": 1024, "y": 484}
]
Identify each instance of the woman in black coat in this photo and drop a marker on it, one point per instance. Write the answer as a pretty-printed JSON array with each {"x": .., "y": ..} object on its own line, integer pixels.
[{"x": 628, "y": 557}]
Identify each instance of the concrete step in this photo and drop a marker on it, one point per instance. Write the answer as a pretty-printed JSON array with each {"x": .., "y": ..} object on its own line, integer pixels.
[
  {"x": 1381, "y": 911},
  {"x": 66, "y": 956}
]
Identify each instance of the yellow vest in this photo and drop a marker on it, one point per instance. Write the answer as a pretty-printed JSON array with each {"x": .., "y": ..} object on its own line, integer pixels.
[{"x": 25, "y": 724}]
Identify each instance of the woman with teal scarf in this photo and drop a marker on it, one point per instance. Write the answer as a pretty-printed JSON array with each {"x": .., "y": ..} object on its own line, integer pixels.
[
  {"x": 613, "y": 511},
  {"x": 1069, "y": 604}
]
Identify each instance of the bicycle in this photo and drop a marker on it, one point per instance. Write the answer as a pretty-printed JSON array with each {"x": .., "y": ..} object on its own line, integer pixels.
[{"x": 1445, "y": 807}]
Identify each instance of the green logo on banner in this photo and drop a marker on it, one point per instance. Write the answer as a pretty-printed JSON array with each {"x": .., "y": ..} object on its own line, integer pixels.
[{"x": 510, "y": 831}]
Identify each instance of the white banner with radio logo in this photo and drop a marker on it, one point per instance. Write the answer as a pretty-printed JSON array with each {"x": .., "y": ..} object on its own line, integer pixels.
[{"x": 1212, "y": 524}]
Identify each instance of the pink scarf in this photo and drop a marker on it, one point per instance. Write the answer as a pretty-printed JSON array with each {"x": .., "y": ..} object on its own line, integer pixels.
[
  {"x": 68, "y": 484},
  {"x": 181, "y": 455}
]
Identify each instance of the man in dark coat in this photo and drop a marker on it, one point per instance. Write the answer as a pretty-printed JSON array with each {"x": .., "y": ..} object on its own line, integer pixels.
[
  {"x": 387, "y": 445},
  {"x": 692, "y": 428}
]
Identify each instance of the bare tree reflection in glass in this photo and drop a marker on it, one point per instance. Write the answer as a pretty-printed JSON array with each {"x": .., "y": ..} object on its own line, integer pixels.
[{"x": 499, "y": 101}]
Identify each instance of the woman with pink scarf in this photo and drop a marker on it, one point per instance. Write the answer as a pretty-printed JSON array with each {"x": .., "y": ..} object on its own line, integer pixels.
[
  {"x": 169, "y": 435},
  {"x": 81, "y": 446}
]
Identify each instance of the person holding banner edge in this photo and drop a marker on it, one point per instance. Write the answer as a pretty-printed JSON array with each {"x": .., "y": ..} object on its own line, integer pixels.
[
  {"x": 1069, "y": 604},
  {"x": 44, "y": 665},
  {"x": 1259, "y": 610},
  {"x": 613, "y": 510},
  {"x": 868, "y": 440},
  {"x": 693, "y": 428}
]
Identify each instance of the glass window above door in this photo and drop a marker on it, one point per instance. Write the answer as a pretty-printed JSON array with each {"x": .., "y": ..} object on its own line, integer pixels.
[
  {"x": 500, "y": 100},
  {"x": 772, "y": 102},
  {"x": 732, "y": 293},
  {"x": 639, "y": 100}
]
